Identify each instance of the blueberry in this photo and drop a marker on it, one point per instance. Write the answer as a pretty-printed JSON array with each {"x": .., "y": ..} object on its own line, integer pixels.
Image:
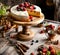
[
  {"x": 32, "y": 40},
  {"x": 37, "y": 41},
  {"x": 31, "y": 43}
]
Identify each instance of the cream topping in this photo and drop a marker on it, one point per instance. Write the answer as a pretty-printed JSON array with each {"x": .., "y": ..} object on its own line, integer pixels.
[
  {"x": 37, "y": 8},
  {"x": 19, "y": 13}
]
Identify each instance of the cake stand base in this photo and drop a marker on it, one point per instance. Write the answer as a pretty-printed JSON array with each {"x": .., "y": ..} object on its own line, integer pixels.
[{"x": 26, "y": 34}]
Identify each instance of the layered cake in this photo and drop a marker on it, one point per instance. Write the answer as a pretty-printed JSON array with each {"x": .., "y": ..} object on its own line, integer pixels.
[{"x": 25, "y": 12}]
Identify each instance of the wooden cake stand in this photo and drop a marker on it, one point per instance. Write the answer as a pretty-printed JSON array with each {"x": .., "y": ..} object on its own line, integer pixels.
[{"x": 26, "y": 34}]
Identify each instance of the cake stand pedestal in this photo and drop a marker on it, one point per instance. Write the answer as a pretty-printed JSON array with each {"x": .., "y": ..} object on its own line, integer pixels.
[{"x": 26, "y": 34}]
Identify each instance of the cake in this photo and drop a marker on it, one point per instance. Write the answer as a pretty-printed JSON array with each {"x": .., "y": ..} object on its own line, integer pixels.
[{"x": 25, "y": 12}]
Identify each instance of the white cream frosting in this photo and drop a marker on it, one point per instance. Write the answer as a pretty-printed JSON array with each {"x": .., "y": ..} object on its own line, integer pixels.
[
  {"x": 19, "y": 13},
  {"x": 37, "y": 8}
]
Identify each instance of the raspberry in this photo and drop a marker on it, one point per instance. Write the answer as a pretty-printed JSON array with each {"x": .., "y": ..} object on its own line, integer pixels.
[
  {"x": 31, "y": 7},
  {"x": 44, "y": 50},
  {"x": 53, "y": 52},
  {"x": 26, "y": 4},
  {"x": 21, "y": 5},
  {"x": 50, "y": 48},
  {"x": 24, "y": 9},
  {"x": 42, "y": 31},
  {"x": 32, "y": 53},
  {"x": 51, "y": 26},
  {"x": 30, "y": 17}
]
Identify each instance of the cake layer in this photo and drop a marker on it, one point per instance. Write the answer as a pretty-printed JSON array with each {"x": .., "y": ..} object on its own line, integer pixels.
[{"x": 19, "y": 18}]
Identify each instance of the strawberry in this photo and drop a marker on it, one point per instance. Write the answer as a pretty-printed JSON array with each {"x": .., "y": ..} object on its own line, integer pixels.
[
  {"x": 32, "y": 53},
  {"x": 21, "y": 5},
  {"x": 53, "y": 52},
  {"x": 51, "y": 26},
  {"x": 44, "y": 50},
  {"x": 30, "y": 17},
  {"x": 31, "y": 7},
  {"x": 24, "y": 9},
  {"x": 50, "y": 48},
  {"x": 26, "y": 4}
]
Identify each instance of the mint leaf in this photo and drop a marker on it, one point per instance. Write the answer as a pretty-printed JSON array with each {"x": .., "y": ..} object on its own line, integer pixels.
[
  {"x": 2, "y": 11},
  {"x": 48, "y": 52}
]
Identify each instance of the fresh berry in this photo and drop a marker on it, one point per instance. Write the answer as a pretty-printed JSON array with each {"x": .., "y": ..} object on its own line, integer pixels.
[
  {"x": 52, "y": 26},
  {"x": 24, "y": 9},
  {"x": 44, "y": 50},
  {"x": 37, "y": 41},
  {"x": 31, "y": 43},
  {"x": 30, "y": 17},
  {"x": 53, "y": 52},
  {"x": 21, "y": 5},
  {"x": 59, "y": 27},
  {"x": 31, "y": 7},
  {"x": 32, "y": 53},
  {"x": 42, "y": 31},
  {"x": 50, "y": 48},
  {"x": 26, "y": 4},
  {"x": 18, "y": 8}
]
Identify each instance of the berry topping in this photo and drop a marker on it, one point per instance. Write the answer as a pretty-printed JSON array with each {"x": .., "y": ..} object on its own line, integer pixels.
[
  {"x": 21, "y": 5},
  {"x": 18, "y": 8},
  {"x": 24, "y": 9},
  {"x": 30, "y": 17},
  {"x": 50, "y": 48},
  {"x": 31, "y": 7},
  {"x": 26, "y": 4}
]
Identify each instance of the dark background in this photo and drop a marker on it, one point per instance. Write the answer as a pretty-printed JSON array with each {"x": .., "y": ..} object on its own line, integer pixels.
[{"x": 47, "y": 10}]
